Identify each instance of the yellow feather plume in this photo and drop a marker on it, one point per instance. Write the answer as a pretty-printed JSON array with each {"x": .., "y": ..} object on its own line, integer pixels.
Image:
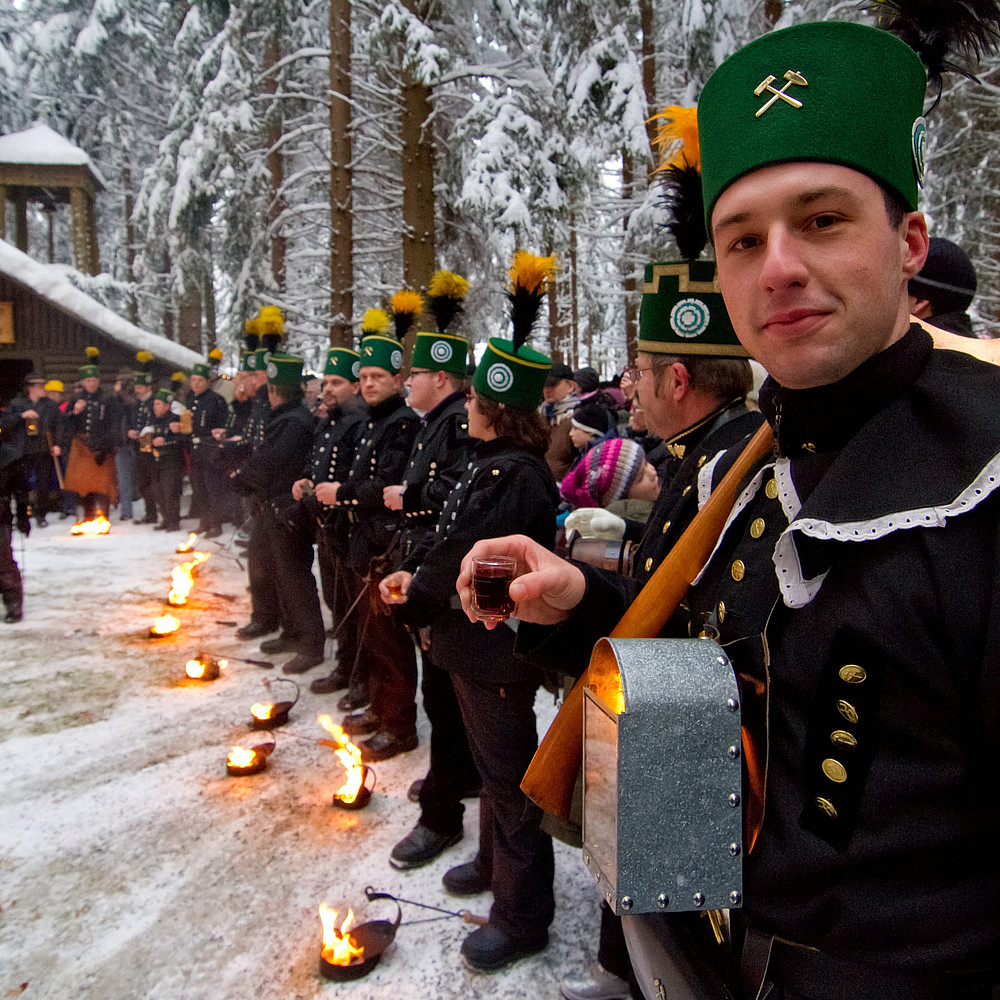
[
  {"x": 531, "y": 273},
  {"x": 144, "y": 357},
  {"x": 177, "y": 377},
  {"x": 270, "y": 321},
  {"x": 215, "y": 355},
  {"x": 677, "y": 138},
  {"x": 92, "y": 352},
  {"x": 252, "y": 325},
  {"x": 374, "y": 321},
  {"x": 406, "y": 301},
  {"x": 448, "y": 284}
]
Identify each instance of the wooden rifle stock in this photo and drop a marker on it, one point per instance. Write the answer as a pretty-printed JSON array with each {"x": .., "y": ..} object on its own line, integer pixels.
[{"x": 551, "y": 776}]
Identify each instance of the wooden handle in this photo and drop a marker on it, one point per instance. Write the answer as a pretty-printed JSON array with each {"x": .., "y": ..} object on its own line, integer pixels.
[{"x": 551, "y": 776}]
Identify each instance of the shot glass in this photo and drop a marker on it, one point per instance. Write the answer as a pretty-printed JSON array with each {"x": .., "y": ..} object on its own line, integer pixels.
[{"x": 491, "y": 578}]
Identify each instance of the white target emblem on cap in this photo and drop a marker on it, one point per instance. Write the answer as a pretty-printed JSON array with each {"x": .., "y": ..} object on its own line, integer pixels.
[
  {"x": 356, "y": 369},
  {"x": 499, "y": 377},
  {"x": 396, "y": 359},
  {"x": 918, "y": 139},
  {"x": 441, "y": 351},
  {"x": 689, "y": 318},
  {"x": 251, "y": 361},
  {"x": 272, "y": 370}
]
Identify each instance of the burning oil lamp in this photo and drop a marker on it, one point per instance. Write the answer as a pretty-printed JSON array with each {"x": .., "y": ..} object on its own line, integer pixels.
[
  {"x": 187, "y": 546},
  {"x": 354, "y": 793},
  {"x": 243, "y": 761},
  {"x": 270, "y": 716},
  {"x": 182, "y": 577},
  {"x": 164, "y": 625},
  {"x": 204, "y": 667},
  {"x": 352, "y": 952},
  {"x": 99, "y": 525}
]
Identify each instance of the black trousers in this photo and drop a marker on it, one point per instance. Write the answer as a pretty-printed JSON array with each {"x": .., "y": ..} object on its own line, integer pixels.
[
  {"x": 452, "y": 770},
  {"x": 145, "y": 481},
  {"x": 169, "y": 481},
  {"x": 513, "y": 850},
  {"x": 38, "y": 465},
  {"x": 341, "y": 587},
  {"x": 10, "y": 576},
  {"x": 209, "y": 487},
  {"x": 392, "y": 678}
]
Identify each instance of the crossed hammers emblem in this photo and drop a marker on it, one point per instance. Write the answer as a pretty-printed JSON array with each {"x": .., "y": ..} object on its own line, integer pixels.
[{"x": 792, "y": 77}]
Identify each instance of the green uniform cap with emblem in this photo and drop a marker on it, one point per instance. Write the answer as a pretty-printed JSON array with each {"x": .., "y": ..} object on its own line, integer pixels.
[
  {"x": 202, "y": 368},
  {"x": 343, "y": 362},
  {"x": 378, "y": 348},
  {"x": 163, "y": 396},
  {"x": 251, "y": 337},
  {"x": 284, "y": 369},
  {"x": 90, "y": 369},
  {"x": 827, "y": 91},
  {"x": 143, "y": 375},
  {"x": 443, "y": 351},
  {"x": 682, "y": 311},
  {"x": 509, "y": 371}
]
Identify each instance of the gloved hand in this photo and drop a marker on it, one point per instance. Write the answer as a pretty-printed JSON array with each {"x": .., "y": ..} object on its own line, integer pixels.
[{"x": 596, "y": 522}]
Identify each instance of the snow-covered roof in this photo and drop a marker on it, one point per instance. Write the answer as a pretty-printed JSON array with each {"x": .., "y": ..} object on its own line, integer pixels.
[
  {"x": 55, "y": 288},
  {"x": 40, "y": 145}
]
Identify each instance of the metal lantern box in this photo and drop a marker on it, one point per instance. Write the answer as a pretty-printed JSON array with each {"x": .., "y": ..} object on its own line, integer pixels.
[{"x": 662, "y": 826}]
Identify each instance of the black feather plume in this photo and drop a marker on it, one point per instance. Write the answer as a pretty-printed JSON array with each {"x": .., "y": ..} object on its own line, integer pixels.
[
  {"x": 529, "y": 280},
  {"x": 271, "y": 341},
  {"x": 252, "y": 341},
  {"x": 942, "y": 31},
  {"x": 682, "y": 200}
]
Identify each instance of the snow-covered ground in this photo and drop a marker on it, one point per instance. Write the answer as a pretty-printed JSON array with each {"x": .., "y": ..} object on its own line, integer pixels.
[{"x": 132, "y": 867}]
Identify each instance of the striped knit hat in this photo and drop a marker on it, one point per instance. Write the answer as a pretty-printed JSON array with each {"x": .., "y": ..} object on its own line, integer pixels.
[{"x": 605, "y": 473}]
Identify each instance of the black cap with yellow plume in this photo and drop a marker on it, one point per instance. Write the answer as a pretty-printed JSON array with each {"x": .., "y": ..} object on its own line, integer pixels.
[
  {"x": 271, "y": 327},
  {"x": 682, "y": 310},
  {"x": 406, "y": 306},
  {"x": 143, "y": 374},
  {"x": 510, "y": 372},
  {"x": 443, "y": 351},
  {"x": 378, "y": 348},
  {"x": 90, "y": 369}
]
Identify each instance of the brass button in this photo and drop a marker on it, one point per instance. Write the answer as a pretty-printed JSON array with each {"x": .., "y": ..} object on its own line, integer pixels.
[
  {"x": 847, "y": 710},
  {"x": 722, "y": 612},
  {"x": 826, "y": 806},
  {"x": 649, "y": 564},
  {"x": 738, "y": 570},
  {"x": 757, "y": 527},
  {"x": 666, "y": 527},
  {"x": 771, "y": 490},
  {"x": 686, "y": 490},
  {"x": 842, "y": 738},
  {"x": 834, "y": 770},
  {"x": 701, "y": 460},
  {"x": 851, "y": 673}
]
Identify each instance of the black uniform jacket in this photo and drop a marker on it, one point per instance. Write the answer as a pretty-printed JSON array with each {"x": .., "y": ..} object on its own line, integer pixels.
[
  {"x": 98, "y": 422},
  {"x": 857, "y": 591},
  {"x": 504, "y": 490},
  {"x": 380, "y": 458},
  {"x": 208, "y": 412},
  {"x": 268, "y": 474}
]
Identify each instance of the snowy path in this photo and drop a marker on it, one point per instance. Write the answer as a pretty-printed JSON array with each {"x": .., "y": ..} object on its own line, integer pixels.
[{"x": 132, "y": 867}]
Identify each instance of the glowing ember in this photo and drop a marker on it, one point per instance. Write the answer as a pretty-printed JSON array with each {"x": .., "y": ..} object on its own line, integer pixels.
[
  {"x": 339, "y": 948},
  {"x": 100, "y": 525},
  {"x": 259, "y": 711},
  {"x": 164, "y": 625},
  {"x": 189, "y": 544},
  {"x": 241, "y": 757},
  {"x": 183, "y": 579},
  {"x": 195, "y": 668},
  {"x": 350, "y": 757}
]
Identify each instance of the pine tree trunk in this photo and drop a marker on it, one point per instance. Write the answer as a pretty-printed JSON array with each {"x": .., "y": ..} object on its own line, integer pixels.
[
  {"x": 418, "y": 185},
  {"x": 341, "y": 220},
  {"x": 574, "y": 289},
  {"x": 631, "y": 305},
  {"x": 648, "y": 65},
  {"x": 133, "y": 305},
  {"x": 275, "y": 163}
]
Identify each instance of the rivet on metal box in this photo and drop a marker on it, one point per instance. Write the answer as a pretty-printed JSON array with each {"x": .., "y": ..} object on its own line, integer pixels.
[{"x": 662, "y": 823}]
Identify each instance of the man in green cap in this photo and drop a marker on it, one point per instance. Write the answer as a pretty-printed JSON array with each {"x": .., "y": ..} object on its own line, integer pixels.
[
  {"x": 855, "y": 581},
  {"x": 280, "y": 553},
  {"x": 209, "y": 413}
]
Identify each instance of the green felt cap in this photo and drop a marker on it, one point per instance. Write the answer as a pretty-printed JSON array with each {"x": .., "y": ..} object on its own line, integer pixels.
[
  {"x": 515, "y": 379},
  {"x": 202, "y": 368},
  {"x": 284, "y": 369},
  {"x": 343, "y": 362},
  {"x": 440, "y": 352},
  {"x": 382, "y": 352},
  {"x": 827, "y": 91},
  {"x": 89, "y": 371},
  {"x": 682, "y": 312},
  {"x": 163, "y": 396},
  {"x": 142, "y": 378}
]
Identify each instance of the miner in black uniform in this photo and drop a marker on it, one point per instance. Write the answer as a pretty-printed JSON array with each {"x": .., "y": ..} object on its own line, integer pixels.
[
  {"x": 380, "y": 460},
  {"x": 440, "y": 457},
  {"x": 330, "y": 462},
  {"x": 166, "y": 449},
  {"x": 93, "y": 422},
  {"x": 39, "y": 415},
  {"x": 281, "y": 545},
  {"x": 507, "y": 485},
  {"x": 855, "y": 584},
  {"x": 13, "y": 489},
  {"x": 141, "y": 415},
  {"x": 209, "y": 413}
]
